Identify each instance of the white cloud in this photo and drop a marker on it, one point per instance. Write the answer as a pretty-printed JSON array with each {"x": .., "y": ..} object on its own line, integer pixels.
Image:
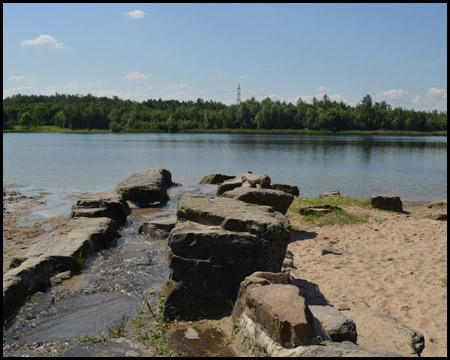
[
  {"x": 136, "y": 76},
  {"x": 177, "y": 86},
  {"x": 21, "y": 78},
  {"x": 438, "y": 93},
  {"x": 44, "y": 40},
  {"x": 322, "y": 90},
  {"x": 434, "y": 99},
  {"x": 394, "y": 94},
  {"x": 17, "y": 78},
  {"x": 135, "y": 14}
]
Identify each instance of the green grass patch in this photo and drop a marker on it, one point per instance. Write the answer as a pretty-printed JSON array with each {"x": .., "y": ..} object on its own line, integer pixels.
[
  {"x": 336, "y": 216},
  {"x": 331, "y": 200}
]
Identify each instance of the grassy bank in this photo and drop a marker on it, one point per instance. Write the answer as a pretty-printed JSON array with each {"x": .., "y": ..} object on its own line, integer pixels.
[{"x": 55, "y": 129}]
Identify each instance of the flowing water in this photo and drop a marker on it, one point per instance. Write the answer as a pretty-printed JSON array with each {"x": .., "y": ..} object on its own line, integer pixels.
[{"x": 106, "y": 291}]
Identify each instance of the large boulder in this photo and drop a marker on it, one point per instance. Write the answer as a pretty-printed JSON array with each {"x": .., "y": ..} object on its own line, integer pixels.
[
  {"x": 147, "y": 188},
  {"x": 386, "y": 202},
  {"x": 108, "y": 205},
  {"x": 277, "y": 199},
  {"x": 215, "y": 244},
  {"x": 246, "y": 179}
]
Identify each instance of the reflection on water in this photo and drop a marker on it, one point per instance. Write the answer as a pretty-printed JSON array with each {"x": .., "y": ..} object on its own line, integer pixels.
[{"x": 415, "y": 168}]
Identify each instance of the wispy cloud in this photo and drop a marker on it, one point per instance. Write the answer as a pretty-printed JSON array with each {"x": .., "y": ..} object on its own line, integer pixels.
[
  {"x": 135, "y": 14},
  {"x": 44, "y": 40},
  {"x": 177, "y": 86},
  {"x": 136, "y": 76},
  {"x": 22, "y": 78}
]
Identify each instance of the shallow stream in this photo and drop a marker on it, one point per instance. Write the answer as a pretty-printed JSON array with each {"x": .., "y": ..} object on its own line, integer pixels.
[{"x": 108, "y": 289}]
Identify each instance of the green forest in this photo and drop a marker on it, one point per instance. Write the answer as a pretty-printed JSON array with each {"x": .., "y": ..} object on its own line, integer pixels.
[{"x": 76, "y": 112}]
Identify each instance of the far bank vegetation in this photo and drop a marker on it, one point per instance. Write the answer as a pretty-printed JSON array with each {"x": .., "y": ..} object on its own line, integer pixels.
[{"x": 85, "y": 113}]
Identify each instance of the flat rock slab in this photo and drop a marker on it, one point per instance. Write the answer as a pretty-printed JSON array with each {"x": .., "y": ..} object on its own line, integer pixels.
[
  {"x": 282, "y": 312},
  {"x": 146, "y": 188},
  {"x": 277, "y": 199},
  {"x": 387, "y": 202},
  {"x": 335, "y": 324},
  {"x": 54, "y": 253},
  {"x": 233, "y": 215},
  {"x": 330, "y": 193},
  {"x": 319, "y": 209},
  {"x": 159, "y": 226},
  {"x": 381, "y": 331},
  {"x": 109, "y": 205}
]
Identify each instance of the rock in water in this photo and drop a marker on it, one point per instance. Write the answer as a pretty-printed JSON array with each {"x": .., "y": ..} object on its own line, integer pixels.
[{"x": 147, "y": 188}]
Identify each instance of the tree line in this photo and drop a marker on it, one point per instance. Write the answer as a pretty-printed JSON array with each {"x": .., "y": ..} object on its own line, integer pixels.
[{"x": 91, "y": 112}]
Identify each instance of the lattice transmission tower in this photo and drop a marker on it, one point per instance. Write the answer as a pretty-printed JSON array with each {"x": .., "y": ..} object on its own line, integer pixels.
[{"x": 238, "y": 101}]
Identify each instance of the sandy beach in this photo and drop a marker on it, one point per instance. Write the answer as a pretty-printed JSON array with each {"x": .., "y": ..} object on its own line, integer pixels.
[{"x": 394, "y": 264}]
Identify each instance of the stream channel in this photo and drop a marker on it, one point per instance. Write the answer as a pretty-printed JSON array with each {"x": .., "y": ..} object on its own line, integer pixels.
[{"x": 69, "y": 318}]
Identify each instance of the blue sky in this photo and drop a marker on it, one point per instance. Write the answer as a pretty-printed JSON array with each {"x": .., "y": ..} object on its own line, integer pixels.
[{"x": 394, "y": 52}]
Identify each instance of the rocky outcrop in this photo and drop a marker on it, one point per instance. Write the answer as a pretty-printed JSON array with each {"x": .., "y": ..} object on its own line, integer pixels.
[
  {"x": 386, "y": 202},
  {"x": 54, "y": 253},
  {"x": 158, "y": 226},
  {"x": 147, "y": 188},
  {"x": 108, "y": 205},
  {"x": 290, "y": 189},
  {"x": 277, "y": 199},
  {"x": 247, "y": 179},
  {"x": 215, "y": 244},
  {"x": 215, "y": 178}
]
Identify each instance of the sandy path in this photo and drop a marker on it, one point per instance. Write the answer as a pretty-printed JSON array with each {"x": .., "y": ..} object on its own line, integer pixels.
[{"x": 395, "y": 264}]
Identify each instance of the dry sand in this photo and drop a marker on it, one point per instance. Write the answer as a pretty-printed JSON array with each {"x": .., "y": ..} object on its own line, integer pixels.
[{"x": 395, "y": 264}]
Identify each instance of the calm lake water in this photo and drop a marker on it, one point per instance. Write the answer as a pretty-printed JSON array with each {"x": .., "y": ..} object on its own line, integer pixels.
[{"x": 415, "y": 168}]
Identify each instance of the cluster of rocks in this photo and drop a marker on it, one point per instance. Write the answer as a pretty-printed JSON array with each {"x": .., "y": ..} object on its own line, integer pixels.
[
  {"x": 218, "y": 241},
  {"x": 275, "y": 320},
  {"x": 226, "y": 254},
  {"x": 94, "y": 224}
]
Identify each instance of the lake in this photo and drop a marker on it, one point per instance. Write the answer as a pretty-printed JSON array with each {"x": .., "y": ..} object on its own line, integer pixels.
[{"x": 415, "y": 168}]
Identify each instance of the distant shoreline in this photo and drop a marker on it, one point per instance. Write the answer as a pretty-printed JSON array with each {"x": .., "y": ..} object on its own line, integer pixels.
[{"x": 55, "y": 129}]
